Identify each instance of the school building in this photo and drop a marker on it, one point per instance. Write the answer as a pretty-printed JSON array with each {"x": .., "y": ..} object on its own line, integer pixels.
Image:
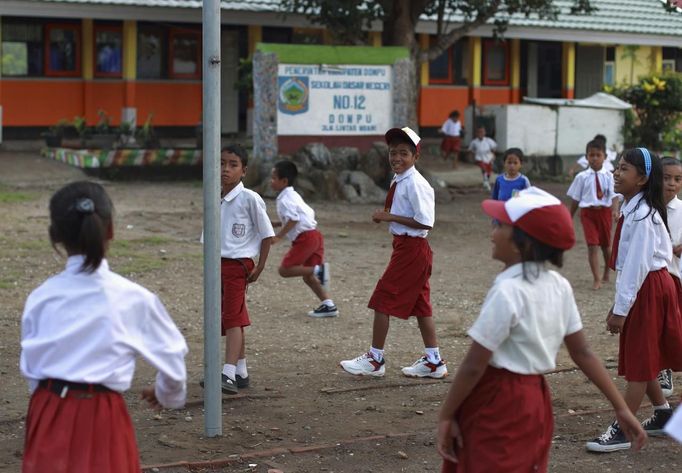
[{"x": 134, "y": 58}]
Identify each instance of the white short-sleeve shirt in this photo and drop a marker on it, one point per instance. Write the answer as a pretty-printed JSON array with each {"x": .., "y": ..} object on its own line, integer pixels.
[
  {"x": 413, "y": 198},
  {"x": 484, "y": 149},
  {"x": 451, "y": 128},
  {"x": 524, "y": 321},
  {"x": 90, "y": 327},
  {"x": 244, "y": 223},
  {"x": 291, "y": 206},
  {"x": 674, "y": 208},
  {"x": 583, "y": 189}
]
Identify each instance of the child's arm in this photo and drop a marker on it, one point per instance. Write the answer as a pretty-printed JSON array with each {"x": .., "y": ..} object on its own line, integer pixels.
[
  {"x": 468, "y": 375},
  {"x": 615, "y": 207},
  {"x": 496, "y": 189},
  {"x": 383, "y": 216},
  {"x": 285, "y": 229},
  {"x": 594, "y": 370},
  {"x": 262, "y": 258},
  {"x": 574, "y": 207}
]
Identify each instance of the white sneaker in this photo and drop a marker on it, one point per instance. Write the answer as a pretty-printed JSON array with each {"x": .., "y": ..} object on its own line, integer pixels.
[
  {"x": 422, "y": 368},
  {"x": 486, "y": 185},
  {"x": 364, "y": 365}
]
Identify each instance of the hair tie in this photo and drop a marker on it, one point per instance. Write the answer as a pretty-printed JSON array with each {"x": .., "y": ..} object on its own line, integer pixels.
[
  {"x": 647, "y": 160},
  {"x": 84, "y": 205}
]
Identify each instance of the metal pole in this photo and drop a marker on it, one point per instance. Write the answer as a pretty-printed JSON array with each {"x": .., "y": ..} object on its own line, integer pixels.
[{"x": 213, "y": 421}]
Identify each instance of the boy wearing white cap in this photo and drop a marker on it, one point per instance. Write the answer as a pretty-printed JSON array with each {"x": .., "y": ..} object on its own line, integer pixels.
[
  {"x": 497, "y": 415},
  {"x": 403, "y": 290}
]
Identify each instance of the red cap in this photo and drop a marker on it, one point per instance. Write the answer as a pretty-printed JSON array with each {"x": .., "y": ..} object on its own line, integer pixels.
[
  {"x": 538, "y": 213},
  {"x": 403, "y": 133}
]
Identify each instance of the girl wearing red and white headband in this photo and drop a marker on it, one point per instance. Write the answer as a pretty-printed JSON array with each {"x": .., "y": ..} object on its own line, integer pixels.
[
  {"x": 498, "y": 414},
  {"x": 645, "y": 312}
]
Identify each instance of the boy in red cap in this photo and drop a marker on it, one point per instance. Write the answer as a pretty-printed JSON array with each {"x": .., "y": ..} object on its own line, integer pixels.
[
  {"x": 403, "y": 290},
  {"x": 498, "y": 414}
]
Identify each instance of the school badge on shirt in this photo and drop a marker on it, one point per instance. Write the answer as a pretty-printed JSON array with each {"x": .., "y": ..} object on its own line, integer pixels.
[{"x": 238, "y": 229}]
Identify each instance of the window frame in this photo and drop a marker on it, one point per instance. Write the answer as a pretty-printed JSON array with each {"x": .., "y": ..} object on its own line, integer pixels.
[
  {"x": 487, "y": 43},
  {"x": 47, "y": 70},
  {"x": 100, "y": 27},
  {"x": 173, "y": 32},
  {"x": 450, "y": 79}
]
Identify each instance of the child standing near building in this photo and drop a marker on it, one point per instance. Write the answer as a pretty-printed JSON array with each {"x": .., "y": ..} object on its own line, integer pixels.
[
  {"x": 81, "y": 332},
  {"x": 306, "y": 257},
  {"x": 646, "y": 312},
  {"x": 403, "y": 290},
  {"x": 512, "y": 181},
  {"x": 453, "y": 130},
  {"x": 582, "y": 163},
  {"x": 592, "y": 191},
  {"x": 497, "y": 415},
  {"x": 245, "y": 234},
  {"x": 484, "y": 154}
]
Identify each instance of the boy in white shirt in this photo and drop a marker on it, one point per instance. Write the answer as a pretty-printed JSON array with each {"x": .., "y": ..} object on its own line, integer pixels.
[
  {"x": 306, "y": 257},
  {"x": 483, "y": 149},
  {"x": 453, "y": 130}
]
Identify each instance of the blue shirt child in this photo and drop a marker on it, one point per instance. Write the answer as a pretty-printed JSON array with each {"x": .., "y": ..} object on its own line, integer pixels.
[{"x": 506, "y": 188}]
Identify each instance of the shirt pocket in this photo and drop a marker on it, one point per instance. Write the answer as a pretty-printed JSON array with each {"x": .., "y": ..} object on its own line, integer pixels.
[{"x": 240, "y": 228}]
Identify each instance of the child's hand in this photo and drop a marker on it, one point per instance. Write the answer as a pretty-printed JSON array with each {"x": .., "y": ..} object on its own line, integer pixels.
[
  {"x": 381, "y": 216},
  {"x": 677, "y": 250},
  {"x": 149, "y": 395},
  {"x": 448, "y": 432},
  {"x": 614, "y": 323},
  {"x": 253, "y": 277},
  {"x": 631, "y": 428}
]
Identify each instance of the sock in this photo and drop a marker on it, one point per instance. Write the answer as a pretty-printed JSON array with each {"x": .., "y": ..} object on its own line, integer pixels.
[
  {"x": 328, "y": 302},
  {"x": 241, "y": 368},
  {"x": 432, "y": 355},
  {"x": 663, "y": 406},
  {"x": 377, "y": 354},
  {"x": 230, "y": 371}
]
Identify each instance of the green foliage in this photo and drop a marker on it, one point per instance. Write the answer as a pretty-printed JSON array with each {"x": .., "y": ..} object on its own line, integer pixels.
[
  {"x": 58, "y": 128},
  {"x": 103, "y": 123},
  {"x": 657, "y": 111},
  {"x": 81, "y": 126},
  {"x": 245, "y": 76}
]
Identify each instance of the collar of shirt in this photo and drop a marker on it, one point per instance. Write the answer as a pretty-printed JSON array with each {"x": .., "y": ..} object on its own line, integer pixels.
[
  {"x": 404, "y": 175},
  {"x": 631, "y": 204},
  {"x": 284, "y": 192},
  {"x": 516, "y": 270},
  {"x": 674, "y": 203},
  {"x": 74, "y": 263},
  {"x": 234, "y": 192}
]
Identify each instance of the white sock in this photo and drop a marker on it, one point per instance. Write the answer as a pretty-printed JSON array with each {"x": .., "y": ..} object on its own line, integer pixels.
[
  {"x": 663, "y": 406},
  {"x": 230, "y": 371},
  {"x": 316, "y": 270},
  {"x": 328, "y": 302},
  {"x": 241, "y": 368},
  {"x": 377, "y": 354},
  {"x": 432, "y": 355}
]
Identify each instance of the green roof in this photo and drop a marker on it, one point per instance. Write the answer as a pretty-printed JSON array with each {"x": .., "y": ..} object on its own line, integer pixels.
[{"x": 314, "y": 54}]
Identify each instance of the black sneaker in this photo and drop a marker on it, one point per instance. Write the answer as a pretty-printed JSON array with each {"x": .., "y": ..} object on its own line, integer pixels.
[
  {"x": 242, "y": 382},
  {"x": 653, "y": 426},
  {"x": 610, "y": 441},
  {"x": 324, "y": 311},
  {"x": 227, "y": 386},
  {"x": 665, "y": 379}
]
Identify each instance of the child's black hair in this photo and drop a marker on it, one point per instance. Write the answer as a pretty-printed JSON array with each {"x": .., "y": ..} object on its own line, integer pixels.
[
  {"x": 670, "y": 161},
  {"x": 398, "y": 139},
  {"x": 454, "y": 114},
  {"x": 237, "y": 150},
  {"x": 534, "y": 251},
  {"x": 80, "y": 217},
  {"x": 653, "y": 188},
  {"x": 286, "y": 170},
  {"x": 515, "y": 151},
  {"x": 600, "y": 137},
  {"x": 596, "y": 144}
]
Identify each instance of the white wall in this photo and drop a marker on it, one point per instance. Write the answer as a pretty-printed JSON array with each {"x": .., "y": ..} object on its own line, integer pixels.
[{"x": 578, "y": 125}]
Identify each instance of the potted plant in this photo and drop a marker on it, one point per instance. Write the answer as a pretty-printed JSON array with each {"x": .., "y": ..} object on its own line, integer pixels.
[
  {"x": 104, "y": 136},
  {"x": 126, "y": 135},
  {"x": 54, "y": 135},
  {"x": 146, "y": 136},
  {"x": 81, "y": 126}
]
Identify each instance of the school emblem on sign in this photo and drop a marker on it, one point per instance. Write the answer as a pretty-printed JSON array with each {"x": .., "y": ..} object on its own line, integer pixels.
[
  {"x": 293, "y": 94},
  {"x": 238, "y": 229}
]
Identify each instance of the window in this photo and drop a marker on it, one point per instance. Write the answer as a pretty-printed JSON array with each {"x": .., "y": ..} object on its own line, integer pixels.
[
  {"x": 22, "y": 49},
  {"x": 672, "y": 59},
  {"x": 440, "y": 69},
  {"x": 62, "y": 45},
  {"x": 495, "y": 63},
  {"x": 307, "y": 36},
  {"x": 609, "y": 65},
  {"x": 451, "y": 66},
  {"x": 150, "y": 52},
  {"x": 185, "y": 54},
  {"x": 108, "y": 51}
]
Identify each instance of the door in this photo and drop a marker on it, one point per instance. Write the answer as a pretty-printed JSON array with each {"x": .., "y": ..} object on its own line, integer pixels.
[
  {"x": 589, "y": 66},
  {"x": 229, "y": 96},
  {"x": 549, "y": 70}
]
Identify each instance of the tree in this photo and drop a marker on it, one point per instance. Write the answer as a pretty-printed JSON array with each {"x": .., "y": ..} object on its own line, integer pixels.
[{"x": 348, "y": 20}]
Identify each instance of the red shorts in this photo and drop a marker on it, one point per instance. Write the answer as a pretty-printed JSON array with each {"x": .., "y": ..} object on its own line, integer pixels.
[
  {"x": 233, "y": 276},
  {"x": 651, "y": 339},
  {"x": 451, "y": 144},
  {"x": 403, "y": 289},
  {"x": 81, "y": 432},
  {"x": 597, "y": 223},
  {"x": 506, "y": 424},
  {"x": 485, "y": 167},
  {"x": 306, "y": 250}
]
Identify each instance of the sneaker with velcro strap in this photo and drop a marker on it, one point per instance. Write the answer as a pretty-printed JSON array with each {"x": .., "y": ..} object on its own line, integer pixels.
[
  {"x": 610, "y": 441},
  {"x": 665, "y": 379},
  {"x": 324, "y": 311},
  {"x": 653, "y": 426},
  {"x": 227, "y": 386},
  {"x": 364, "y": 365},
  {"x": 423, "y": 368}
]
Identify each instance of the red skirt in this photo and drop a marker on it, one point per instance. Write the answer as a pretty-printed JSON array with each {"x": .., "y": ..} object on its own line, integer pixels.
[
  {"x": 403, "y": 289},
  {"x": 306, "y": 250},
  {"x": 597, "y": 223},
  {"x": 487, "y": 168},
  {"x": 651, "y": 339},
  {"x": 234, "y": 274},
  {"x": 506, "y": 424},
  {"x": 451, "y": 144},
  {"x": 82, "y": 432}
]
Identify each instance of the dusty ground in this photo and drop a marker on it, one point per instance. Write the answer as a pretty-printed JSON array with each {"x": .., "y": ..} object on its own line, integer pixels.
[{"x": 299, "y": 396}]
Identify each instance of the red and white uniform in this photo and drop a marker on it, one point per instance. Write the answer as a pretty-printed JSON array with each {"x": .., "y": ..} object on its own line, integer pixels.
[
  {"x": 484, "y": 152},
  {"x": 403, "y": 289},
  {"x": 595, "y": 203},
  {"x": 453, "y": 132},
  {"x": 506, "y": 421},
  {"x": 90, "y": 328},
  {"x": 307, "y": 244}
]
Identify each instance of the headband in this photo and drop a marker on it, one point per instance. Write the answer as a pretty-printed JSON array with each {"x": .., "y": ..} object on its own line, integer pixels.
[{"x": 647, "y": 160}]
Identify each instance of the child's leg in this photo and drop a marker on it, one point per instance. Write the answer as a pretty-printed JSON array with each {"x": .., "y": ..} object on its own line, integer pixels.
[
  {"x": 314, "y": 283},
  {"x": 634, "y": 393},
  {"x": 655, "y": 393},
  {"x": 234, "y": 345},
  {"x": 380, "y": 330},
  {"x": 296, "y": 271},
  {"x": 593, "y": 258},
  {"x": 428, "y": 330},
  {"x": 606, "y": 252}
]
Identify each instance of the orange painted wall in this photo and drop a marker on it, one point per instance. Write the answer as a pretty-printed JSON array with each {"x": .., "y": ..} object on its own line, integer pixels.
[
  {"x": 494, "y": 95},
  {"x": 172, "y": 103},
  {"x": 436, "y": 103},
  {"x": 40, "y": 102},
  {"x": 104, "y": 95}
]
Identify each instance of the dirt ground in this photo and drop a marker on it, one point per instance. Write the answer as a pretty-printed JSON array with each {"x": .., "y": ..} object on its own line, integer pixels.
[{"x": 301, "y": 404}]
